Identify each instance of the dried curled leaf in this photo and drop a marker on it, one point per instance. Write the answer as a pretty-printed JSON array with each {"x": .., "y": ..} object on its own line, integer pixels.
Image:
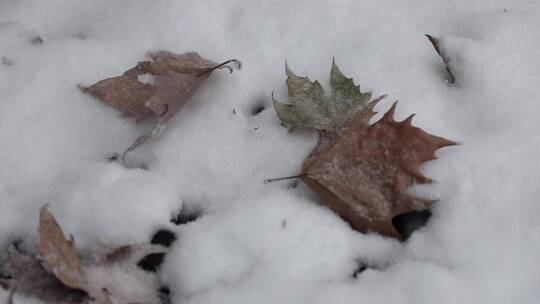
[
  {"x": 31, "y": 279},
  {"x": 436, "y": 43},
  {"x": 363, "y": 172},
  {"x": 311, "y": 108},
  {"x": 59, "y": 276},
  {"x": 159, "y": 87},
  {"x": 156, "y": 88},
  {"x": 58, "y": 253}
]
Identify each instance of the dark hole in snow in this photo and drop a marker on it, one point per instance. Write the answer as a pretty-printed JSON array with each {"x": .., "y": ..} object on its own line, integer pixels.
[
  {"x": 4, "y": 272},
  {"x": 164, "y": 290},
  {"x": 360, "y": 267},
  {"x": 407, "y": 223},
  {"x": 81, "y": 36},
  {"x": 186, "y": 216},
  {"x": 5, "y": 61},
  {"x": 293, "y": 185},
  {"x": 164, "y": 293},
  {"x": 143, "y": 166},
  {"x": 112, "y": 157},
  {"x": 257, "y": 108},
  {"x": 4, "y": 284},
  {"x": 163, "y": 237},
  {"x": 37, "y": 40},
  {"x": 151, "y": 262}
]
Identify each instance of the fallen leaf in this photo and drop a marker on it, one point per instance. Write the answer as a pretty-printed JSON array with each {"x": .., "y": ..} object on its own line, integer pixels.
[
  {"x": 156, "y": 88},
  {"x": 363, "y": 174},
  {"x": 28, "y": 277},
  {"x": 310, "y": 107},
  {"x": 361, "y": 171},
  {"x": 58, "y": 275},
  {"x": 435, "y": 42},
  {"x": 58, "y": 253}
]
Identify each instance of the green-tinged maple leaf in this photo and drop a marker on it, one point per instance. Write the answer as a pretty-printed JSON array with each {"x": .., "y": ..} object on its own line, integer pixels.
[
  {"x": 360, "y": 170},
  {"x": 310, "y": 107}
]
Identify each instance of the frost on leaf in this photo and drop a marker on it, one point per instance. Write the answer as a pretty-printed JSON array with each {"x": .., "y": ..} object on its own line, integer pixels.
[
  {"x": 310, "y": 107},
  {"x": 363, "y": 171},
  {"x": 157, "y": 88},
  {"x": 58, "y": 253}
]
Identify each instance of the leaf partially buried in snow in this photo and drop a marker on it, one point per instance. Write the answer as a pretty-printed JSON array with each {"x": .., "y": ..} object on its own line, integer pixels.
[
  {"x": 58, "y": 253},
  {"x": 310, "y": 107},
  {"x": 437, "y": 45},
  {"x": 362, "y": 172},
  {"x": 58, "y": 275},
  {"x": 28, "y": 277},
  {"x": 156, "y": 88}
]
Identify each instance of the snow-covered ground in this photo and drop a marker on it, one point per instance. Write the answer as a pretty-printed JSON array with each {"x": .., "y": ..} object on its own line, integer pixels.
[{"x": 273, "y": 243}]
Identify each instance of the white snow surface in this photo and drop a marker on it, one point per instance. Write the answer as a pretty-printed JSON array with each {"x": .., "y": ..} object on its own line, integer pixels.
[{"x": 272, "y": 243}]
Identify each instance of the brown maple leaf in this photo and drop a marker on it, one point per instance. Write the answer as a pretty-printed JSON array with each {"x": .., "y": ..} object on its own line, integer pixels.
[
  {"x": 362, "y": 171},
  {"x": 156, "y": 88}
]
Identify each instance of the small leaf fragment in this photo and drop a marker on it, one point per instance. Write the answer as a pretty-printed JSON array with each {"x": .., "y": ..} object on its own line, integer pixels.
[
  {"x": 58, "y": 253},
  {"x": 435, "y": 42}
]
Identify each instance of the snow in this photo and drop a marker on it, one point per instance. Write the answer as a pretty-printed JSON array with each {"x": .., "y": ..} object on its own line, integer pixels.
[
  {"x": 136, "y": 285},
  {"x": 146, "y": 78},
  {"x": 273, "y": 243}
]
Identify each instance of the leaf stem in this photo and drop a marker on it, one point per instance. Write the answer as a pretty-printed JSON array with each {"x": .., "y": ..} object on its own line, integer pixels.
[
  {"x": 222, "y": 65},
  {"x": 271, "y": 180}
]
